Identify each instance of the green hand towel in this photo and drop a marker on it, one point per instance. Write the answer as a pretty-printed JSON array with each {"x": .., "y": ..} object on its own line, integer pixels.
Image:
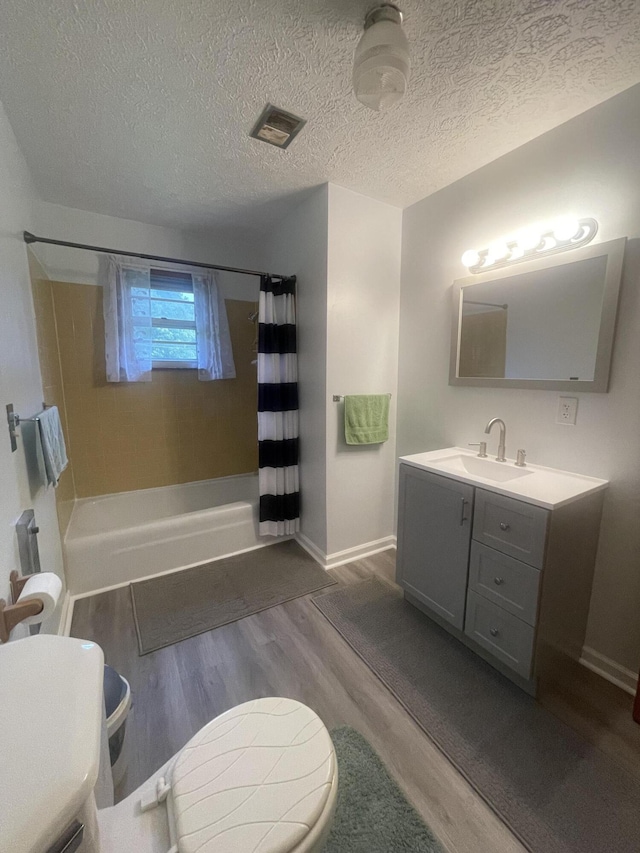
[{"x": 366, "y": 418}]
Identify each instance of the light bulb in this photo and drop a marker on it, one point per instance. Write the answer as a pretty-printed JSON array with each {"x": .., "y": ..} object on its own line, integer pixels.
[
  {"x": 566, "y": 229},
  {"x": 496, "y": 252},
  {"x": 499, "y": 251},
  {"x": 470, "y": 258},
  {"x": 529, "y": 240}
]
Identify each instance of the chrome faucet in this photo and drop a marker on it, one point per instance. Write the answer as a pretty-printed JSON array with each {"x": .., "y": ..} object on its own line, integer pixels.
[{"x": 503, "y": 435}]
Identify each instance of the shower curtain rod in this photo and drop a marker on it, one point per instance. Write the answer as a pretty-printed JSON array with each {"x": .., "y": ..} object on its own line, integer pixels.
[{"x": 31, "y": 238}]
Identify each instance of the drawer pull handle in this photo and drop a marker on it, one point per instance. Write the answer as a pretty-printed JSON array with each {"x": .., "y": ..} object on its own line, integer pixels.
[
  {"x": 504, "y": 526},
  {"x": 494, "y": 632},
  {"x": 498, "y": 581}
]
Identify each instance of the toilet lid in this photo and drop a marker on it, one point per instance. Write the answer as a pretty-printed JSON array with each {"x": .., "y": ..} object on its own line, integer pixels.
[{"x": 256, "y": 779}]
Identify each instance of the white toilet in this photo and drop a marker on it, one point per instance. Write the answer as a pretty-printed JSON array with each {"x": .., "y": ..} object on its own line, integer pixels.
[{"x": 262, "y": 777}]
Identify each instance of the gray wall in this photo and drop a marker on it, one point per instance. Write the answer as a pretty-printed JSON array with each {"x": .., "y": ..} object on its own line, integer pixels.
[{"x": 589, "y": 166}]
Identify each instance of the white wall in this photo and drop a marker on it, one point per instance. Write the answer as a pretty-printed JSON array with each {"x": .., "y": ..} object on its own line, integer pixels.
[
  {"x": 298, "y": 246},
  {"x": 236, "y": 248},
  {"x": 586, "y": 167},
  {"x": 345, "y": 250},
  {"x": 362, "y": 358},
  {"x": 20, "y": 381}
]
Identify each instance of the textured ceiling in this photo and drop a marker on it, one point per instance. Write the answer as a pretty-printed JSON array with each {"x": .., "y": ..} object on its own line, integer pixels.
[{"x": 143, "y": 109}]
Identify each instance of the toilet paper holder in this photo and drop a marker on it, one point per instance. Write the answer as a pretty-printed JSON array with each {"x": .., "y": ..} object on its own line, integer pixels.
[{"x": 12, "y": 614}]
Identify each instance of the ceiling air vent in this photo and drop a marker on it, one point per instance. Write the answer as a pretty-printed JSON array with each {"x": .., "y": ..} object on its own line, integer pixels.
[{"x": 277, "y": 127}]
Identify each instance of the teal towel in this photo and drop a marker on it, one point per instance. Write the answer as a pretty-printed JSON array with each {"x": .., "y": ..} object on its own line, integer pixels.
[
  {"x": 366, "y": 418},
  {"x": 54, "y": 452}
]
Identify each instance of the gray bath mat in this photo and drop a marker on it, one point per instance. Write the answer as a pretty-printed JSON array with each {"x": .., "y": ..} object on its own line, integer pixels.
[
  {"x": 557, "y": 792},
  {"x": 179, "y": 605},
  {"x": 372, "y": 814}
]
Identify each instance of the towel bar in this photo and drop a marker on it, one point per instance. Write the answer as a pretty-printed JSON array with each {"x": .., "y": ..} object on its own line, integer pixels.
[
  {"x": 34, "y": 419},
  {"x": 337, "y": 398}
]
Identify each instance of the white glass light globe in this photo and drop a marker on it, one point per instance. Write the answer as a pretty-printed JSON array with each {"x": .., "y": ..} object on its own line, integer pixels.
[
  {"x": 499, "y": 251},
  {"x": 566, "y": 229},
  {"x": 529, "y": 240},
  {"x": 470, "y": 258},
  {"x": 381, "y": 64},
  {"x": 495, "y": 252}
]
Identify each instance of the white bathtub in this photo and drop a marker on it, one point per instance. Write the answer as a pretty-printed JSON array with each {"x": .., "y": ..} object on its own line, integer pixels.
[{"x": 115, "y": 539}]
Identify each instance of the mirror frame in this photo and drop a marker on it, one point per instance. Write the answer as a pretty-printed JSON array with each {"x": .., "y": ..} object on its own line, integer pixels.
[{"x": 614, "y": 252}]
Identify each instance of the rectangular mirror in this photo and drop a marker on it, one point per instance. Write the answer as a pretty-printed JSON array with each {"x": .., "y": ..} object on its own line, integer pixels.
[{"x": 546, "y": 324}]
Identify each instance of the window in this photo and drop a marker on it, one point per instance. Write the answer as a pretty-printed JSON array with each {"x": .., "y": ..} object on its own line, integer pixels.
[
  {"x": 170, "y": 300},
  {"x": 163, "y": 318}
]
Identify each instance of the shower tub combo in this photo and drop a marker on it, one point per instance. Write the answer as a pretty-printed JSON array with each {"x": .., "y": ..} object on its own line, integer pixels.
[{"x": 115, "y": 539}]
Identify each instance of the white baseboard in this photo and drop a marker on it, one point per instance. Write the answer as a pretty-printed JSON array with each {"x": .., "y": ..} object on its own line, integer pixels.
[
  {"x": 311, "y": 548},
  {"x": 609, "y": 669},
  {"x": 339, "y": 558}
]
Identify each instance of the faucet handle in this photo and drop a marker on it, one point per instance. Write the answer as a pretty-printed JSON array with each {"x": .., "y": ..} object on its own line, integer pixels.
[
  {"x": 482, "y": 445},
  {"x": 520, "y": 458}
]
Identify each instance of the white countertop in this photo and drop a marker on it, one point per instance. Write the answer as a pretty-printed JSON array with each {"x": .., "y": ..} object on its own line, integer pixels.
[{"x": 545, "y": 487}]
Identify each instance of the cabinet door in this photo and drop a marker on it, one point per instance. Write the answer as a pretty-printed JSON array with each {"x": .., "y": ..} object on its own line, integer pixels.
[{"x": 434, "y": 531}]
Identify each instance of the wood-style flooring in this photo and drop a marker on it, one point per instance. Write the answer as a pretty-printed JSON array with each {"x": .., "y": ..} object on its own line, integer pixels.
[{"x": 292, "y": 650}]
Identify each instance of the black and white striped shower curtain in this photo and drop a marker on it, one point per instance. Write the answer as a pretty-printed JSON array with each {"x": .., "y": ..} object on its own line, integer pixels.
[{"x": 278, "y": 408}]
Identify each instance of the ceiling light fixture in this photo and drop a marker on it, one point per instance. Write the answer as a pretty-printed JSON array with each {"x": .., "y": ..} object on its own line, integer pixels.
[
  {"x": 532, "y": 243},
  {"x": 381, "y": 64}
]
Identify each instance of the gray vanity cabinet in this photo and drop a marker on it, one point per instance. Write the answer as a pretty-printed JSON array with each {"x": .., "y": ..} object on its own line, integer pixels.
[
  {"x": 434, "y": 536},
  {"x": 510, "y": 579}
]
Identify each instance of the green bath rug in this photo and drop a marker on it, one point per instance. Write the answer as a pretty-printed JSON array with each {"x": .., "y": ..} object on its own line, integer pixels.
[{"x": 372, "y": 814}]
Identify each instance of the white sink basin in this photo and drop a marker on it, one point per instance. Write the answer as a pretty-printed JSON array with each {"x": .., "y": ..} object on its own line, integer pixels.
[
  {"x": 489, "y": 469},
  {"x": 545, "y": 487}
]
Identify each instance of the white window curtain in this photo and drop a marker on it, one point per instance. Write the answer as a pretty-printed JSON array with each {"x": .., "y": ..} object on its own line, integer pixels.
[
  {"x": 129, "y": 327},
  {"x": 127, "y": 319},
  {"x": 215, "y": 354}
]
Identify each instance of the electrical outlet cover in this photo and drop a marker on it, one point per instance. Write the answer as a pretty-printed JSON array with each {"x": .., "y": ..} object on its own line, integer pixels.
[{"x": 567, "y": 411}]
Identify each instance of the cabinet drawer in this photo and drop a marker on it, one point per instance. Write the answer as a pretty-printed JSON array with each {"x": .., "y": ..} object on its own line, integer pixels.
[
  {"x": 506, "y": 637},
  {"x": 511, "y": 526},
  {"x": 506, "y": 582}
]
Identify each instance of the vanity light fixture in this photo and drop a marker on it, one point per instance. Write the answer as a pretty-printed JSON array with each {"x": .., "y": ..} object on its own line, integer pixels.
[{"x": 532, "y": 243}]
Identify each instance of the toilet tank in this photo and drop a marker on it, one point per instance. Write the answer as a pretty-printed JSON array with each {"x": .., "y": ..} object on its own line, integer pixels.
[{"x": 50, "y": 728}]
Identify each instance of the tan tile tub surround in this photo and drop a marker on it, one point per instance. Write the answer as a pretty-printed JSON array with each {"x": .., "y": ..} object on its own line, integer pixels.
[
  {"x": 174, "y": 429},
  {"x": 52, "y": 385}
]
